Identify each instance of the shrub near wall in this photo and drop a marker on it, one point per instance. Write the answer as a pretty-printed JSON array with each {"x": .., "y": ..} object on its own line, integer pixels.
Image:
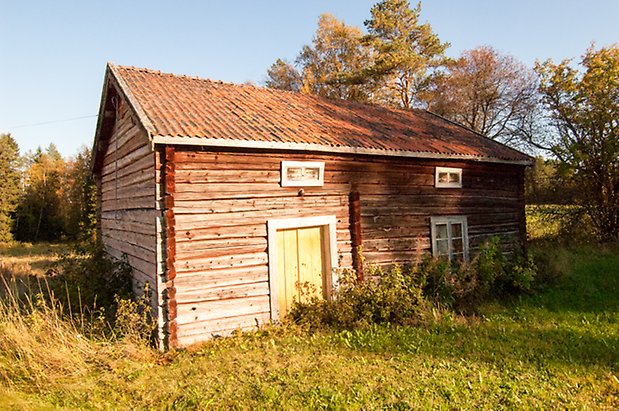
[{"x": 403, "y": 294}]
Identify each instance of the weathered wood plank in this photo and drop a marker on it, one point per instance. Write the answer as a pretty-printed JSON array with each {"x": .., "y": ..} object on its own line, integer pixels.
[
  {"x": 212, "y": 310},
  {"x": 122, "y": 244},
  {"x": 190, "y": 256},
  {"x": 127, "y": 204},
  {"x": 141, "y": 190},
  {"x": 222, "y": 293},
  {"x": 200, "y": 331},
  {"x": 242, "y": 230},
  {"x": 138, "y": 227},
  {"x": 212, "y": 206},
  {"x": 193, "y": 248},
  {"x": 128, "y": 159},
  {"x": 143, "y": 163},
  {"x": 224, "y": 261},
  {"x": 135, "y": 262},
  {"x": 222, "y": 277}
]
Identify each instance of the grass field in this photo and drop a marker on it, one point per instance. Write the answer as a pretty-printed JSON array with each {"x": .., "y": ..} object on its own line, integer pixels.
[
  {"x": 558, "y": 348},
  {"x": 30, "y": 259},
  {"x": 22, "y": 265}
]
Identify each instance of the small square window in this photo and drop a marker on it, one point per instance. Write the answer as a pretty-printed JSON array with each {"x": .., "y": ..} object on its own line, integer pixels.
[
  {"x": 450, "y": 237},
  {"x": 302, "y": 173},
  {"x": 448, "y": 177}
]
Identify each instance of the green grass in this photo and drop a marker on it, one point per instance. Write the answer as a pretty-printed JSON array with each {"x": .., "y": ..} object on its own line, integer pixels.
[{"x": 557, "y": 349}]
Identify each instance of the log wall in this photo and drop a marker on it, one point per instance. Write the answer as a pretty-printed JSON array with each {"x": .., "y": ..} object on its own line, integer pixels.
[
  {"x": 222, "y": 201},
  {"x": 126, "y": 190}
]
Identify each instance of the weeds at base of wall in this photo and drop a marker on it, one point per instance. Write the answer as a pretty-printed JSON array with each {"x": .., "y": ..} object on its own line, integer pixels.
[
  {"x": 87, "y": 277},
  {"x": 411, "y": 293}
]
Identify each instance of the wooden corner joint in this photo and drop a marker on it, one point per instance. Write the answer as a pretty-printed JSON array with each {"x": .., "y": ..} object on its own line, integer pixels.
[{"x": 169, "y": 171}]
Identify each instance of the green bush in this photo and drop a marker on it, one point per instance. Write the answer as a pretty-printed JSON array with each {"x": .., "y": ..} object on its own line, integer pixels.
[
  {"x": 391, "y": 296},
  {"x": 490, "y": 274},
  {"x": 89, "y": 278},
  {"x": 402, "y": 294}
]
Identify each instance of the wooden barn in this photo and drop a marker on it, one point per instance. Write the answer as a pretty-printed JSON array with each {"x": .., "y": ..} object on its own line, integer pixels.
[{"x": 225, "y": 197}]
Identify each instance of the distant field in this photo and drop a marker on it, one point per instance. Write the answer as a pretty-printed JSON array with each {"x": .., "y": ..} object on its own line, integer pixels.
[
  {"x": 557, "y": 349},
  {"x": 26, "y": 258},
  {"x": 22, "y": 265}
]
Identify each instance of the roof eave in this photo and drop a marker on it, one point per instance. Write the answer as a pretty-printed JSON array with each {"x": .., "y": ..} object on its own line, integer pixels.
[
  {"x": 531, "y": 159},
  {"x": 114, "y": 79},
  {"x": 133, "y": 102},
  {"x": 272, "y": 145}
]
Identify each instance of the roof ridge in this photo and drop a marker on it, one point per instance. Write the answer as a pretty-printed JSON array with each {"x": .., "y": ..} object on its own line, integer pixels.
[{"x": 192, "y": 77}]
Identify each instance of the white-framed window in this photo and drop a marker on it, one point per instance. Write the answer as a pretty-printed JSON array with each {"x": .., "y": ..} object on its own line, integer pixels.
[
  {"x": 302, "y": 173},
  {"x": 448, "y": 177},
  {"x": 450, "y": 237}
]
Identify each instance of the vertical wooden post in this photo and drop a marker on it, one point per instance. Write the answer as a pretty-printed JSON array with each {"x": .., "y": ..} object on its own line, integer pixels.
[
  {"x": 522, "y": 214},
  {"x": 170, "y": 188},
  {"x": 356, "y": 234}
]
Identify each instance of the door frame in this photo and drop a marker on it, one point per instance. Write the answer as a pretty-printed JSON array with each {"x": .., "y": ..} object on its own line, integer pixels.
[{"x": 329, "y": 243}]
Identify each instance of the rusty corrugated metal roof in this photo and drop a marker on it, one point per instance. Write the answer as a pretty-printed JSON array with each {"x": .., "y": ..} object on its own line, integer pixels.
[{"x": 190, "y": 110}]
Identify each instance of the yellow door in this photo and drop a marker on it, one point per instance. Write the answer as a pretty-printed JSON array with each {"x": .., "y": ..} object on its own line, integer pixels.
[{"x": 300, "y": 266}]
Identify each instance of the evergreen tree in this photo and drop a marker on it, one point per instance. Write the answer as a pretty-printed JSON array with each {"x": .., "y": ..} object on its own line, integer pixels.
[
  {"x": 9, "y": 184},
  {"x": 406, "y": 53},
  {"x": 283, "y": 76},
  {"x": 39, "y": 212}
]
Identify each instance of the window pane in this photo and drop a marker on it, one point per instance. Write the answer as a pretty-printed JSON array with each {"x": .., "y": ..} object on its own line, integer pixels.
[
  {"x": 456, "y": 230},
  {"x": 443, "y": 177},
  {"x": 294, "y": 173},
  {"x": 441, "y": 231},
  {"x": 454, "y": 177},
  {"x": 457, "y": 246},
  {"x": 442, "y": 247},
  {"x": 312, "y": 173}
]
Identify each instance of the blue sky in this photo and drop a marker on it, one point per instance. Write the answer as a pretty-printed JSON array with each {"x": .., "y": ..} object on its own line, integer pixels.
[{"x": 54, "y": 52}]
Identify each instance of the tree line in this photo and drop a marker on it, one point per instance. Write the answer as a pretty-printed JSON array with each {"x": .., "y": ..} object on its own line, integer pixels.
[
  {"x": 45, "y": 197},
  {"x": 568, "y": 113}
]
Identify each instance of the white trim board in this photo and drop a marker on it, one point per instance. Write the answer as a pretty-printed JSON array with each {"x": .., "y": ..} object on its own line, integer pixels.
[
  {"x": 329, "y": 222},
  {"x": 225, "y": 143}
]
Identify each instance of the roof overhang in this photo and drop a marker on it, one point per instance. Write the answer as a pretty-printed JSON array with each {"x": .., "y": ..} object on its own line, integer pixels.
[
  {"x": 269, "y": 145},
  {"x": 113, "y": 85}
]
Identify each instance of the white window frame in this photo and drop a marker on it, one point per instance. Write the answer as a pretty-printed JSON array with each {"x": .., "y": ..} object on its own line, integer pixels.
[
  {"x": 302, "y": 164},
  {"x": 450, "y": 170},
  {"x": 449, "y": 220},
  {"x": 329, "y": 241}
]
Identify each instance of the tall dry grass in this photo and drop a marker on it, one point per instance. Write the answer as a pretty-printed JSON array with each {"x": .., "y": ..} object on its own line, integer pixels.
[
  {"x": 38, "y": 345},
  {"x": 41, "y": 344}
]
